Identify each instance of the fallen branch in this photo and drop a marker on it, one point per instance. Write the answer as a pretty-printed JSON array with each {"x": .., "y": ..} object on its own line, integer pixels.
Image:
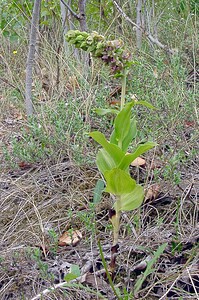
[
  {"x": 51, "y": 289},
  {"x": 147, "y": 34},
  {"x": 81, "y": 279}
]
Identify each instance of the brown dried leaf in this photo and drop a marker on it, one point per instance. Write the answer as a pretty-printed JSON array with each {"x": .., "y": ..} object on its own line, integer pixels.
[
  {"x": 24, "y": 165},
  {"x": 70, "y": 238},
  {"x": 152, "y": 192},
  {"x": 138, "y": 162}
]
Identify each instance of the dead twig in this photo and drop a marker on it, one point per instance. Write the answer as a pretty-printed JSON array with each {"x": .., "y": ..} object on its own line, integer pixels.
[
  {"x": 147, "y": 34},
  {"x": 79, "y": 280},
  {"x": 70, "y": 9},
  {"x": 12, "y": 85}
]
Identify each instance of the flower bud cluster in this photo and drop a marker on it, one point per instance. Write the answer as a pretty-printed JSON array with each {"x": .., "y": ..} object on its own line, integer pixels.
[{"x": 111, "y": 52}]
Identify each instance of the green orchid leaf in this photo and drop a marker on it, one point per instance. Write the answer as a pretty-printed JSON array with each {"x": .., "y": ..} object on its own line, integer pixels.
[
  {"x": 130, "y": 136},
  {"x": 113, "y": 138},
  {"x": 114, "y": 151},
  {"x": 146, "y": 104},
  {"x": 132, "y": 200},
  {"x": 122, "y": 123},
  {"x": 139, "y": 151},
  {"x": 105, "y": 161},
  {"x": 103, "y": 111},
  {"x": 119, "y": 182},
  {"x": 97, "y": 194}
]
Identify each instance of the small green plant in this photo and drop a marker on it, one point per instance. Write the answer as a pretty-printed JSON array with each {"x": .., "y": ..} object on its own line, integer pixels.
[
  {"x": 149, "y": 268},
  {"x": 113, "y": 160},
  {"x": 87, "y": 218},
  {"x": 36, "y": 255},
  {"x": 73, "y": 273},
  {"x": 54, "y": 129},
  {"x": 53, "y": 241}
]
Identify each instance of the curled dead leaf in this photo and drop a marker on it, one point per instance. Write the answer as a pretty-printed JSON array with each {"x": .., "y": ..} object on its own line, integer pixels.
[
  {"x": 153, "y": 192},
  {"x": 93, "y": 280},
  {"x": 134, "y": 97},
  {"x": 142, "y": 265},
  {"x": 138, "y": 162},
  {"x": 70, "y": 238}
]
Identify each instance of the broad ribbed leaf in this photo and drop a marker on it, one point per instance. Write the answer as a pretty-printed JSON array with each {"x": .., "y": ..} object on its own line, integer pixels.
[
  {"x": 126, "y": 161},
  {"x": 122, "y": 123},
  {"x": 130, "y": 136},
  {"x": 105, "y": 161},
  {"x": 114, "y": 151},
  {"x": 119, "y": 182},
  {"x": 132, "y": 200},
  {"x": 113, "y": 138}
]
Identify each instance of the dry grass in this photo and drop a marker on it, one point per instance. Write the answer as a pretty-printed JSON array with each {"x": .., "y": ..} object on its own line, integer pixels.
[{"x": 58, "y": 197}]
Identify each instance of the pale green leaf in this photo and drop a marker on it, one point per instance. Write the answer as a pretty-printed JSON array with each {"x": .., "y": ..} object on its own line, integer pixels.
[
  {"x": 119, "y": 182},
  {"x": 126, "y": 161},
  {"x": 132, "y": 200},
  {"x": 105, "y": 161},
  {"x": 122, "y": 123},
  {"x": 113, "y": 138},
  {"x": 146, "y": 104},
  {"x": 75, "y": 270},
  {"x": 70, "y": 276},
  {"x": 114, "y": 151},
  {"x": 74, "y": 273},
  {"x": 103, "y": 111},
  {"x": 130, "y": 136}
]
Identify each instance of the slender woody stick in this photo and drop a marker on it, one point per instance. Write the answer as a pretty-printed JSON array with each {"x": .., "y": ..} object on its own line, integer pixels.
[{"x": 31, "y": 56}]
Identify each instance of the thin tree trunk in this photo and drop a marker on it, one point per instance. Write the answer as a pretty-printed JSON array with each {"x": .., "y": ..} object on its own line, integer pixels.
[
  {"x": 83, "y": 27},
  {"x": 144, "y": 31},
  {"x": 82, "y": 15},
  {"x": 64, "y": 24},
  {"x": 139, "y": 24},
  {"x": 31, "y": 56},
  {"x": 71, "y": 26}
]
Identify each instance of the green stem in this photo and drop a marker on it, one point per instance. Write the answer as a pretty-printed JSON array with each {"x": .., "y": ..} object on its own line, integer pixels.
[
  {"x": 116, "y": 225},
  {"x": 123, "y": 93},
  {"x": 107, "y": 272}
]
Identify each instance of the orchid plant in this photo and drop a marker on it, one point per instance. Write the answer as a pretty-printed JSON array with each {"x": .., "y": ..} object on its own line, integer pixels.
[{"x": 113, "y": 159}]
